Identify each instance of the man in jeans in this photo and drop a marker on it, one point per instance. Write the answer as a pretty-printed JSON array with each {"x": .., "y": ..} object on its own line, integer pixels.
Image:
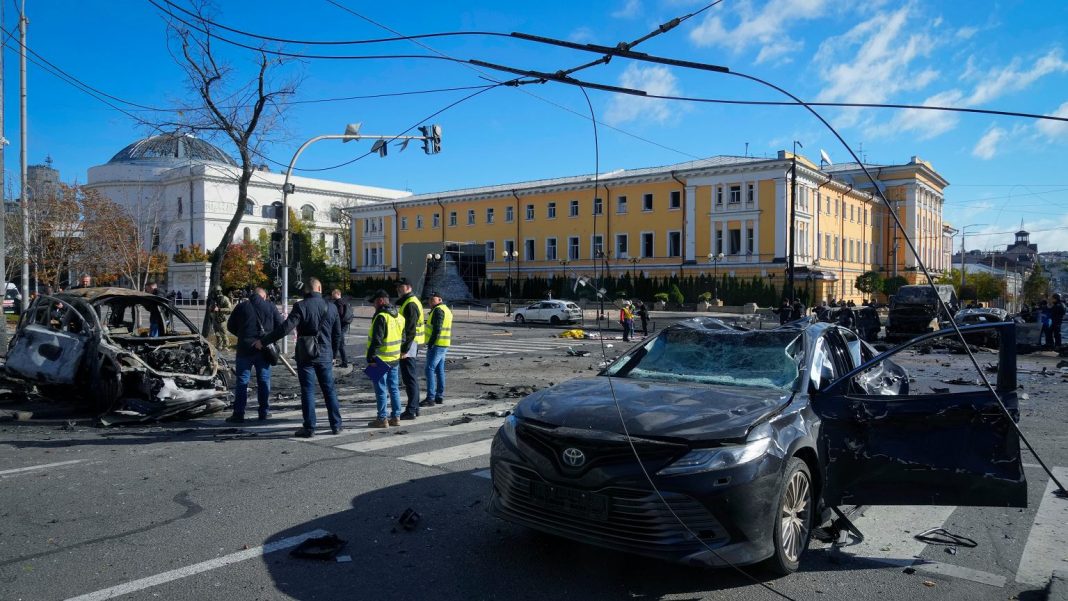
[
  {"x": 438, "y": 338},
  {"x": 344, "y": 313},
  {"x": 384, "y": 347},
  {"x": 248, "y": 322},
  {"x": 318, "y": 330},
  {"x": 412, "y": 310}
]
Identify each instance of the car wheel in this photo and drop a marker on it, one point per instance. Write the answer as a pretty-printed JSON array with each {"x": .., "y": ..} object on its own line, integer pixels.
[
  {"x": 554, "y": 320},
  {"x": 519, "y": 318},
  {"x": 793, "y": 518}
]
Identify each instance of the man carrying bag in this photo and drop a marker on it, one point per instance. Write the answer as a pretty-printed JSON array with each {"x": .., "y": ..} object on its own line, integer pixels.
[
  {"x": 318, "y": 338},
  {"x": 249, "y": 322}
]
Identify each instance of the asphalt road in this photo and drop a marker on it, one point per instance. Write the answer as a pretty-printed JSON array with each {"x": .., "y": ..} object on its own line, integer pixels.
[{"x": 200, "y": 510}]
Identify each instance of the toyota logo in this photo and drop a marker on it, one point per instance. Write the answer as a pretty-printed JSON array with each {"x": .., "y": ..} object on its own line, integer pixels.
[{"x": 573, "y": 457}]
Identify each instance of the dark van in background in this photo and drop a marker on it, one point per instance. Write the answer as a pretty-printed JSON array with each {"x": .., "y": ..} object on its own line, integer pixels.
[{"x": 915, "y": 310}]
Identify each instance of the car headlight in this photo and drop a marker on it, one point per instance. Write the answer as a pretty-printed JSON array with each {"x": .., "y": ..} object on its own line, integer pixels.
[
  {"x": 508, "y": 429},
  {"x": 708, "y": 460}
]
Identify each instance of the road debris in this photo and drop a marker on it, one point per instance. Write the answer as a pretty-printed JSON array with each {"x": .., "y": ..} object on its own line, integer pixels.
[
  {"x": 321, "y": 547},
  {"x": 577, "y": 353},
  {"x": 409, "y": 520}
]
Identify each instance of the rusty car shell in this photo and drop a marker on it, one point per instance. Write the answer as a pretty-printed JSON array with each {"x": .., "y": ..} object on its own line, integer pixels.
[{"x": 121, "y": 350}]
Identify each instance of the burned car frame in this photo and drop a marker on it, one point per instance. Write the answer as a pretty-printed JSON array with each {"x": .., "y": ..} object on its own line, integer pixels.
[
  {"x": 119, "y": 349},
  {"x": 744, "y": 438}
]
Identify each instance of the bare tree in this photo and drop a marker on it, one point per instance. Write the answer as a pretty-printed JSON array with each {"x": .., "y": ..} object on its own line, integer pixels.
[
  {"x": 244, "y": 111},
  {"x": 117, "y": 240},
  {"x": 55, "y": 236}
]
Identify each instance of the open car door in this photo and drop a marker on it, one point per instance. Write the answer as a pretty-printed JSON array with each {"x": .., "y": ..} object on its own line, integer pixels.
[{"x": 946, "y": 448}]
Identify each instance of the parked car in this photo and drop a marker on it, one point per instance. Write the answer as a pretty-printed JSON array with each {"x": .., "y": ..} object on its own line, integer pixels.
[
  {"x": 117, "y": 348},
  {"x": 746, "y": 436},
  {"x": 981, "y": 315},
  {"x": 12, "y": 299},
  {"x": 552, "y": 311}
]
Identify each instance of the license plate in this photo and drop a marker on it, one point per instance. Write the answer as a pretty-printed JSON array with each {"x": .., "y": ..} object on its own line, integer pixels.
[{"x": 570, "y": 501}]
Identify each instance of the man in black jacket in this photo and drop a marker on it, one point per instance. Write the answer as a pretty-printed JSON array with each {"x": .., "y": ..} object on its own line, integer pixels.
[
  {"x": 249, "y": 321},
  {"x": 344, "y": 313},
  {"x": 1056, "y": 311},
  {"x": 319, "y": 332},
  {"x": 412, "y": 336}
]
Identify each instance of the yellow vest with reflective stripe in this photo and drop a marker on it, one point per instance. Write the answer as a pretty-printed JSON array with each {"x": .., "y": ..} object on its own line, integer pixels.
[
  {"x": 418, "y": 322},
  {"x": 389, "y": 351},
  {"x": 445, "y": 335}
]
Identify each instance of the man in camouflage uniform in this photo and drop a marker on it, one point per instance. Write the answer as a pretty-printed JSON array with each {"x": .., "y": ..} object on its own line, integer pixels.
[{"x": 220, "y": 307}]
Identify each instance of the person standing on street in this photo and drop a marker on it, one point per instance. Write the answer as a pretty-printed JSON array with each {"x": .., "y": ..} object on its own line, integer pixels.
[
  {"x": 1045, "y": 322},
  {"x": 643, "y": 314},
  {"x": 438, "y": 338},
  {"x": 250, "y": 321},
  {"x": 318, "y": 338},
  {"x": 626, "y": 319},
  {"x": 384, "y": 347},
  {"x": 412, "y": 311},
  {"x": 1056, "y": 313},
  {"x": 344, "y": 313},
  {"x": 220, "y": 308}
]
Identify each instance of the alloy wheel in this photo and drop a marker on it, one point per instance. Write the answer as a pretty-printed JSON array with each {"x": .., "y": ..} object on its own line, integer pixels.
[{"x": 796, "y": 505}]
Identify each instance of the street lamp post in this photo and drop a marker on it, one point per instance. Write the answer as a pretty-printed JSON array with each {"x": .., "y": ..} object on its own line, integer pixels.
[
  {"x": 509, "y": 257},
  {"x": 564, "y": 263},
  {"x": 633, "y": 263},
  {"x": 430, "y": 257},
  {"x": 963, "y": 232},
  {"x": 715, "y": 258}
]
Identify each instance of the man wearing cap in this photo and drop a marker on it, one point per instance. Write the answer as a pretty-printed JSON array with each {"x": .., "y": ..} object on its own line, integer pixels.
[
  {"x": 438, "y": 338},
  {"x": 412, "y": 310},
  {"x": 384, "y": 346},
  {"x": 318, "y": 338}
]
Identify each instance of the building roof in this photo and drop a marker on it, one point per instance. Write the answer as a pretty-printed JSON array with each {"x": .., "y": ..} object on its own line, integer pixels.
[{"x": 173, "y": 148}]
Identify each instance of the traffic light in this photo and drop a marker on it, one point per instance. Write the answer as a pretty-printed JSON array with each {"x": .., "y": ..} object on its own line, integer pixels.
[
  {"x": 426, "y": 133},
  {"x": 436, "y": 135},
  {"x": 295, "y": 244},
  {"x": 276, "y": 246},
  {"x": 278, "y": 214}
]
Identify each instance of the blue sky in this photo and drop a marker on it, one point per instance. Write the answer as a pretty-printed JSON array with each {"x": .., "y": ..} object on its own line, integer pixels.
[{"x": 1006, "y": 55}]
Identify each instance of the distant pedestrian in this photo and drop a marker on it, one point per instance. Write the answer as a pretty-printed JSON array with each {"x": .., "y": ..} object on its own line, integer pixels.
[
  {"x": 1045, "y": 322},
  {"x": 344, "y": 313},
  {"x": 85, "y": 282},
  {"x": 643, "y": 314},
  {"x": 220, "y": 307},
  {"x": 318, "y": 336},
  {"x": 784, "y": 311},
  {"x": 411, "y": 310},
  {"x": 249, "y": 322},
  {"x": 195, "y": 296},
  {"x": 1056, "y": 312},
  {"x": 847, "y": 318},
  {"x": 178, "y": 297},
  {"x": 626, "y": 319},
  {"x": 384, "y": 347},
  {"x": 797, "y": 310},
  {"x": 438, "y": 338}
]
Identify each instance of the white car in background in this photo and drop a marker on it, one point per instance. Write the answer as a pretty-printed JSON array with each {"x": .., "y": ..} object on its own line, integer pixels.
[{"x": 552, "y": 311}]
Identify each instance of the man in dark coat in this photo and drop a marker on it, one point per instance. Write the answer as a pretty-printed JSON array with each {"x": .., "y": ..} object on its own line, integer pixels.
[
  {"x": 250, "y": 321},
  {"x": 1056, "y": 312},
  {"x": 344, "y": 313},
  {"x": 318, "y": 331}
]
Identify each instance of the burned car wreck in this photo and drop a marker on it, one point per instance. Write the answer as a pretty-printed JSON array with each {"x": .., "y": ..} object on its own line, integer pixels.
[
  {"x": 125, "y": 352},
  {"x": 745, "y": 438}
]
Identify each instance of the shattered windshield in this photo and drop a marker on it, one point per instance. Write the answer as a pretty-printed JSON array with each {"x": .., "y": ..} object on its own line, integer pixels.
[{"x": 767, "y": 359}]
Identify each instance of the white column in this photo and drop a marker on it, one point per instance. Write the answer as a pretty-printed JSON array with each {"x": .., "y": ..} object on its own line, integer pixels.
[
  {"x": 352, "y": 242},
  {"x": 690, "y": 251},
  {"x": 756, "y": 240},
  {"x": 724, "y": 237},
  {"x": 910, "y": 224},
  {"x": 745, "y": 235}
]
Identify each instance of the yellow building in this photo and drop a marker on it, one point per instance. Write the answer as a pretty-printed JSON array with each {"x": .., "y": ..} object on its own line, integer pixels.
[{"x": 672, "y": 220}]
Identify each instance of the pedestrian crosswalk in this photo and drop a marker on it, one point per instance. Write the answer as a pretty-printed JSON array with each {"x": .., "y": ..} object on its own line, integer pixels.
[{"x": 493, "y": 348}]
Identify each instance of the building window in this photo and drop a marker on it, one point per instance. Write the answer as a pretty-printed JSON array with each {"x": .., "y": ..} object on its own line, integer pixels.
[
  {"x": 528, "y": 250},
  {"x": 574, "y": 209},
  {"x": 736, "y": 195},
  {"x": 647, "y": 202},
  {"x": 307, "y": 213},
  {"x": 418, "y": 222},
  {"x": 826, "y": 246},
  {"x": 246, "y": 235},
  {"x": 452, "y": 218},
  {"x": 719, "y": 195},
  {"x": 719, "y": 241},
  {"x": 491, "y": 251},
  {"x": 598, "y": 206},
  {"x": 509, "y": 214},
  {"x": 550, "y": 249},
  {"x": 750, "y": 193},
  {"x": 749, "y": 241},
  {"x": 403, "y": 223},
  {"x": 335, "y": 214},
  {"x": 179, "y": 205},
  {"x": 470, "y": 217},
  {"x": 836, "y": 248},
  {"x": 647, "y": 245},
  {"x": 621, "y": 204},
  {"x": 597, "y": 248},
  {"x": 509, "y": 247},
  {"x": 674, "y": 244},
  {"x": 530, "y": 212},
  {"x": 621, "y": 246},
  {"x": 550, "y": 210},
  {"x": 435, "y": 221},
  {"x": 250, "y": 207},
  {"x": 573, "y": 248},
  {"x": 489, "y": 215},
  {"x": 736, "y": 241},
  {"x": 675, "y": 201}
]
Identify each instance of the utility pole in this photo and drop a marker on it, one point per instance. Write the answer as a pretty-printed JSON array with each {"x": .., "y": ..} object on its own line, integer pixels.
[
  {"x": 22, "y": 162},
  {"x": 3, "y": 209}
]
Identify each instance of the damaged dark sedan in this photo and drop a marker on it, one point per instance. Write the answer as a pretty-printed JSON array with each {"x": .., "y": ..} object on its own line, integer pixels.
[
  {"x": 745, "y": 437},
  {"x": 123, "y": 351}
]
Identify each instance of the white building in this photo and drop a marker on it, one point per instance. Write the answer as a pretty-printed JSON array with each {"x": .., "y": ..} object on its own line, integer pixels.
[{"x": 186, "y": 190}]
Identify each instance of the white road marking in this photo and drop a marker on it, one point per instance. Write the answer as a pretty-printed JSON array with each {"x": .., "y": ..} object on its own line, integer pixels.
[
  {"x": 451, "y": 454},
  {"x": 361, "y": 429},
  {"x": 946, "y": 569},
  {"x": 1047, "y": 543},
  {"x": 378, "y": 444},
  {"x": 204, "y": 566},
  {"x": 43, "y": 466}
]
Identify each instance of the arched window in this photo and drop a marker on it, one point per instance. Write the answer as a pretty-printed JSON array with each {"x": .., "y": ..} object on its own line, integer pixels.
[
  {"x": 307, "y": 213},
  {"x": 335, "y": 214},
  {"x": 247, "y": 235},
  {"x": 250, "y": 207}
]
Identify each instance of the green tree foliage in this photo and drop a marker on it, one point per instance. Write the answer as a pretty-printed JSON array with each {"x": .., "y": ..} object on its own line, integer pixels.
[
  {"x": 869, "y": 282},
  {"x": 951, "y": 278},
  {"x": 893, "y": 284},
  {"x": 1036, "y": 285},
  {"x": 676, "y": 295},
  {"x": 315, "y": 258},
  {"x": 242, "y": 267},
  {"x": 987, "y": 286}
]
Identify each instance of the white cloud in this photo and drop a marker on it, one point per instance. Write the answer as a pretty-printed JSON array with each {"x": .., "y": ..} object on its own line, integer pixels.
[
  {"x": 581, "y": 35},
  {"x": 654, "y": 80},
  {"x": 987, "y": 146},
  {"x": 925, "y": 124},
  {"x": 765, "y": 26},
  {"x": 1055, "y": 129},
  {"x": 965, "y": 33},
  {"x": 1012, "y": 78},
  {"x": 629, "y": 10}
]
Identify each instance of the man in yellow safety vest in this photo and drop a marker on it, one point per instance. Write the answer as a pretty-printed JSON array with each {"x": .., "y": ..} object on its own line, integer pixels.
[
  {"x": 384, "y": 347},
  {"x": 438, "y": 338}
]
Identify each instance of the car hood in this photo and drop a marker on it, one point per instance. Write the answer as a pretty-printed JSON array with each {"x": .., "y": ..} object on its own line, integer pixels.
[{"x": 653, "y": 409}]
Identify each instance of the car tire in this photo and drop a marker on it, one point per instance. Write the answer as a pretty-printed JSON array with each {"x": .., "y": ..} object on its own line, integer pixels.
[
  {"x": 519, "y": 319},
  {"x": 554, "y": 320},
  {"x": 792, "y": 519}
]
